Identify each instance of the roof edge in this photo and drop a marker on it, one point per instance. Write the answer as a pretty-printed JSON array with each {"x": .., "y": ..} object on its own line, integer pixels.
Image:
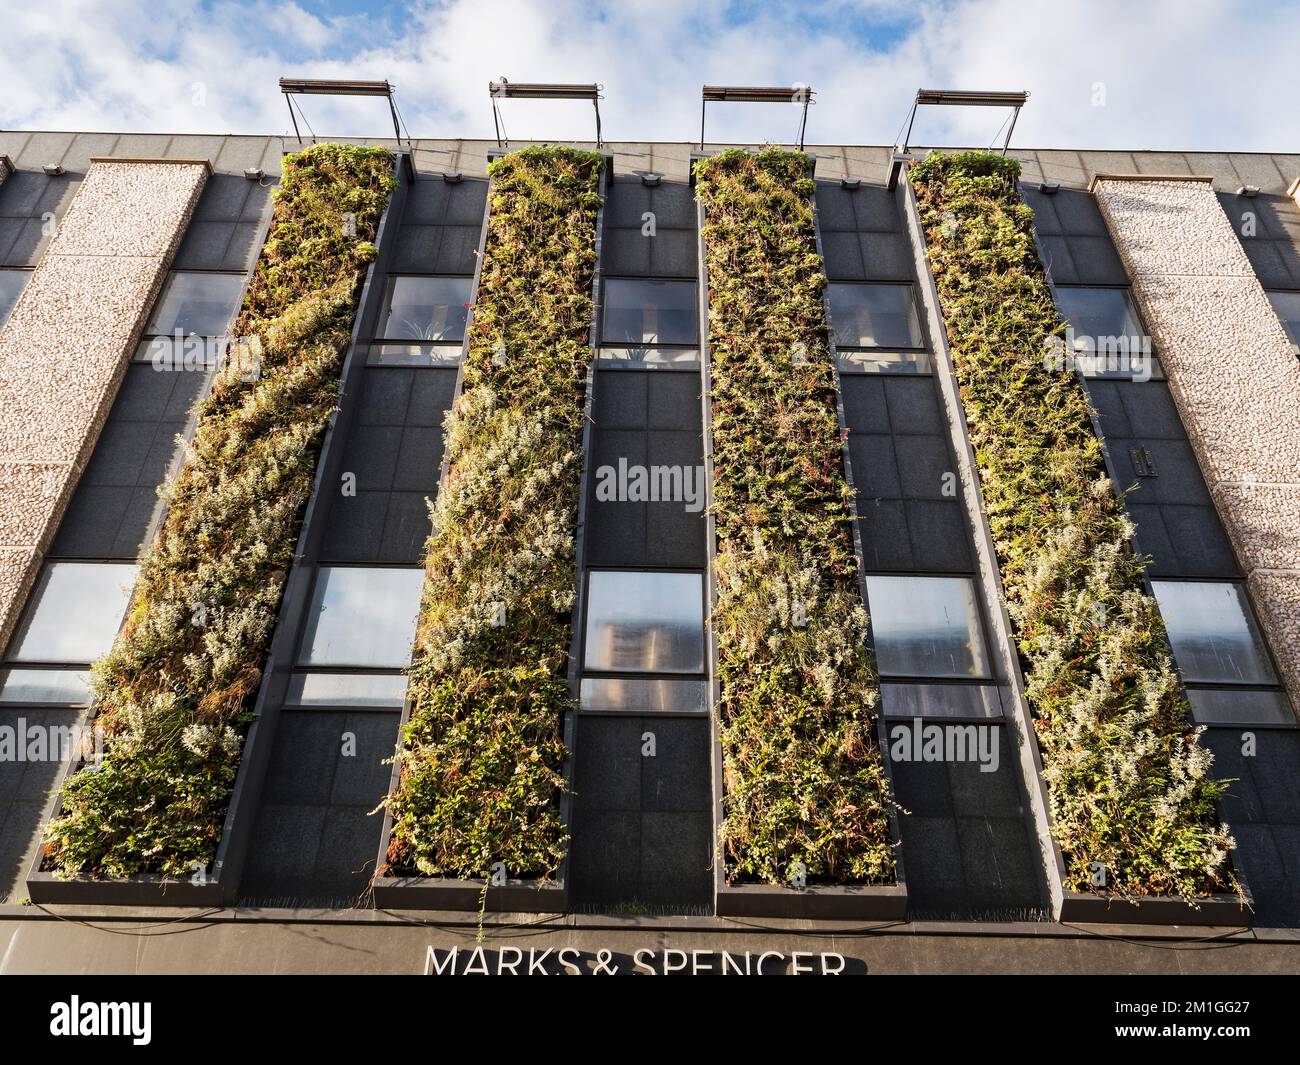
[{"x": 1098, "y": 178}]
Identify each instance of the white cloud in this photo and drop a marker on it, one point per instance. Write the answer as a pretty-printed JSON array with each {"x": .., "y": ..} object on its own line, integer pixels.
[{"x": 1208, "y": 75}]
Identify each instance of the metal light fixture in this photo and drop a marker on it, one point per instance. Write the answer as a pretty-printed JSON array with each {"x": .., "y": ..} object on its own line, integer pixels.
[
  {"x": 1250, "y": 191},
  {"x": 967, "y": 98},
  {"x": 1049, "y": 188},
  {"x": 253, "y": 173},
  {"x": 328, "y": 87},
  {"x": 452, "y": 177},
  {"x": 53, "y": 169},
  {"x": 852, "y": 184},
  {"x": 757, "y": 94},
  {"x": 534, "y": 90},
  {"x": 650, "y": 179}
]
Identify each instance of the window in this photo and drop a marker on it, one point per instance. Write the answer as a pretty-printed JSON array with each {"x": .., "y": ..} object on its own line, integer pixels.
[
  {"x": 650, "y": 312},
  {"x": 927, "y": 627},
  {"x": 641, "y": 622},
  {"x": 1108, "y": 340},
  {"x": 347, "y": 689},
  {"x": 362, "y": 617},
  {"x": 1213, "y": 632},
  {"x": 940, "y": 700},
  {"x": 12, "y": 283},
  {"x": 431, "y": 310},
  {"x": 1286, "y": 304},
  {"x": 1241, "y": 706},
  {"x": 897, "y": 362},
  {"x": 197, "y": 305},
  {"x": 874, "y": 316},
  {"x": 644, "y": 695},
  {"x": 74, "y": 612},
  {"x": 72, "y": 618}
]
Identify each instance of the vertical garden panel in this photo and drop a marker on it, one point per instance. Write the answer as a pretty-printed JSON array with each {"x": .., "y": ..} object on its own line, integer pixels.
[
  {"x": 1130, "y": 790},
  {"x": 805, "y": 791},
  {"x": 175, "y": 694},
  {"x": 481, "y": 771}
]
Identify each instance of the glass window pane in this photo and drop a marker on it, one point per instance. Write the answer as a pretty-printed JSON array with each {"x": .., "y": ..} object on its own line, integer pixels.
[
  {"x": 199, "y": 304},
  {"x": 362, "y": 617},
  {"x": 926, "y": 627},
  {"x": 347, "y": 689},
  {"x": 1286, "y": 304},
  {"x": 650, "y": 356},
  {"x": 644, "y": 695},
  {"x": 874, "y": 316},
  {"x": 417, "y": 354},
  {"x": 426, "y": 308},
  {"x": 940, "y": 700},
  {"x": 74, "y": 612},
  {"x": 902, "y": 362},
  {"x": 12, "y": 283},
  {"x": 645, "y": 622},
  {"x": 44, "y": 686},
  {"x": 650, "y": 312},
  {"x": 1213, "y": 633},
  {"x": 1220, "y": 707},
  {"x": 1099, "y": 316}
]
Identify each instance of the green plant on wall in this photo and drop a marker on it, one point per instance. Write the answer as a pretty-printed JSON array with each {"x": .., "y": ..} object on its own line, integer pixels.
[
  {"x": 175, "y": 693},
  {"x": 804, "y": 783},
  {"x": 1129, "y": 784},
  {"x": 483, "y": 749}
]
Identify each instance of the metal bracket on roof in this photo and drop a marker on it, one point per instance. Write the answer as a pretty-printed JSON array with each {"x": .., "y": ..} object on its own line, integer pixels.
[
  {"x": 966, "y": 98},
  {"x": 292, "y": 87},
  {"x": 751, "y": 94},
  {"x": 520, "y": 90}
]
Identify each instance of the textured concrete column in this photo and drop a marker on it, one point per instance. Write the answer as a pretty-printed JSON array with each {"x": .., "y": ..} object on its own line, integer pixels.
[
  {"x": 1232, "y": 373},
  {"x": 6, "y": 168},
  {"x": 67, "y": 343}
]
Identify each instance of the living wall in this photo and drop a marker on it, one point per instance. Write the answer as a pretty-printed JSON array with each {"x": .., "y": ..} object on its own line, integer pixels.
[
  {"x": 804, "y": 783},
  {"x": 1128, "y": 781},
  {"x": 175, "y": 693},
  {"x": 483, "y": 755}
]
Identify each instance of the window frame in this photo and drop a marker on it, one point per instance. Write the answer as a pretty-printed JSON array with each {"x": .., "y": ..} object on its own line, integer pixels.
[
  {"x": 299, "y": 662},
  {"x": 923, "y": 348},
  {"x": 605, "y": 344},
  {"x": 384, "y": 315}
]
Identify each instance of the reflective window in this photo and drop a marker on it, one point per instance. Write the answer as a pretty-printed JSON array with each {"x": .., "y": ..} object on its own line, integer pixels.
[
  {"x": 12, "y": 283},
  {"x": 387, "y": 353},
  {"x": 198, "y": 304},
  {"x": 650, "y": 312},
  {"x": 74, "y": 612},
  {"x": 874, "y": 316},
  {"x": 429, "y": 309},
  {"x": 644, "y": 695},
  {"x": 940, "y": 700},
  {"x": 645, "y": 622},
  {"x": 649, "y": 356},
  {"x": 1286, "y": 304},
  {"x": 1213, "y": 632},
  {"x": 1211, "y": 706},
  {"x": 362, "y": 617},
  {"x": 900, "y": 362},
  {"x": 927, "y": 627},
  {"x": 44, "y": 686},
  {"x": 346, "y": 689},
  {"x": 1108, "y": 340}
]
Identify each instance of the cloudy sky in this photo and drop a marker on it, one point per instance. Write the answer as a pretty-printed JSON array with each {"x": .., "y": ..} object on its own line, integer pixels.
[{"x": 1185, "y": 74}]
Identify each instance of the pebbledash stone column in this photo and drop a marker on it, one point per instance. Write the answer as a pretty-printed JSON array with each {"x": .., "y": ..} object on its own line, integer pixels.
[
  {"x": 67, "y": 343},
  {"x": 1232, "y": 373}
]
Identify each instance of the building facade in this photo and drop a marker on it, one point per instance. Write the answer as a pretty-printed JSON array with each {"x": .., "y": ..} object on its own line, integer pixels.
[{"x": 120, "y": 254}]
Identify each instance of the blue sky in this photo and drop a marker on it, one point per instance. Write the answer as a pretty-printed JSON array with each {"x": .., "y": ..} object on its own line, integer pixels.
[{"x": 1192, "y": 74}]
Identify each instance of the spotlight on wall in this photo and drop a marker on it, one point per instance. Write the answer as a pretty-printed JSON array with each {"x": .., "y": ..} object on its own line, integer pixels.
[
  {"x": 1049, "y": 188},
  {"x": 52, "y": 169},
  {"x": 452, "y": 177},
  {"x": 650, "y": 179},
  {"x": 1248, "y": 190},
  {"x": 253, "y": 173},
  {"x": 852, "y": 184}
]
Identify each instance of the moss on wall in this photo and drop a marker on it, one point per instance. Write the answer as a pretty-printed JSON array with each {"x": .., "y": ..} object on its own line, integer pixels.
[
  {"x": 1129, "y": 783},
  {"x": 176, "y": 691},
  {"x": 804, "y": 780},
  {"x": 482, "y": 762}
]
